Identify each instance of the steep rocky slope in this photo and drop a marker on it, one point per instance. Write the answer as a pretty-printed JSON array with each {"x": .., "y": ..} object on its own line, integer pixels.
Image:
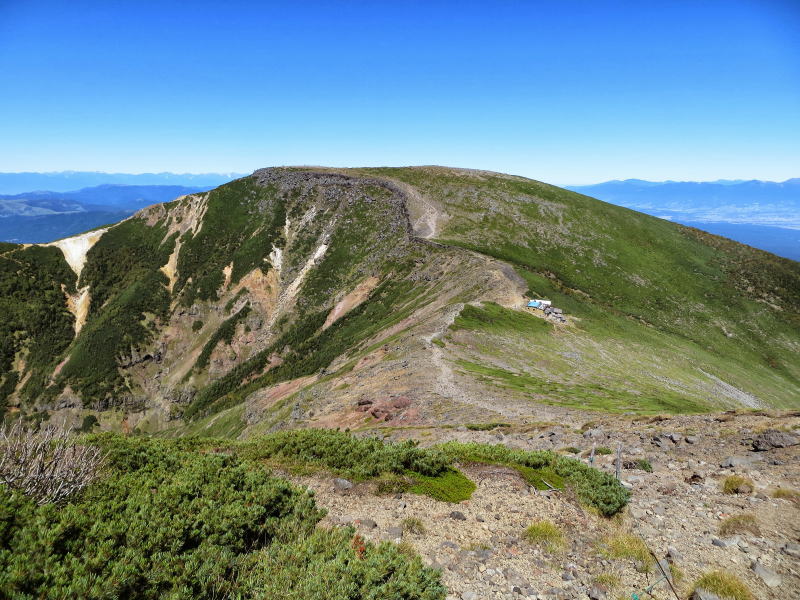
[{"x": 391, "y": 298}]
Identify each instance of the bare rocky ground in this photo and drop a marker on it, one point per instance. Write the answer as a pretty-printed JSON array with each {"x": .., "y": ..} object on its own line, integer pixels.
[{"x": 677, "y": 510}]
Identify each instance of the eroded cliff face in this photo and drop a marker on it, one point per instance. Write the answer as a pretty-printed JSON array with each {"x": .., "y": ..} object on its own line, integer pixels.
[{"x": 214, "y": 298}]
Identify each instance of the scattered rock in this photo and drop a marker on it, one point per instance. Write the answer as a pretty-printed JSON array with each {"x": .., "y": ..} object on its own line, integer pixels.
[
  {"x": 342, "y": 485},
  {"x": 704, "y": 595},
  {"x": 770, "y": 578},
  {"x": 772, "y": 438},
  {"x": 668, "y": 488},
  {"x": 636, "y": 513},
  {"x": 725, "y": 542},
  {"x": 595, "y": 434},
  {"x": 394, "y": 533},
  {"x": 695, "y": 479},
  {"x": 597, "y": 592},
  {"x": 691, "y": 439},
  {"x": 792, "y": 549},
  {"x": 735, "y": 461},
  {"x": 662, "y": 442},
  {"x": 458, "y": 516},
  {"x": 673, "y": 555},
  {"x": 366, "y": 523},
  {"x": 664, "y": 564}
]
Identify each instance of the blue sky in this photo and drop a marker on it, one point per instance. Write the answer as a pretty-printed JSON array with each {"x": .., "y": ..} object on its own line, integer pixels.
[{"x": 562, "y": 91}]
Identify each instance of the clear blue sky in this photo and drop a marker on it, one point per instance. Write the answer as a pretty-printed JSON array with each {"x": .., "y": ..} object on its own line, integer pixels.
[{"x": 562, "y": 91}]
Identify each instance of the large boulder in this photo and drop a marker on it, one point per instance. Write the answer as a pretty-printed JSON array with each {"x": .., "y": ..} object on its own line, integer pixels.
[{"x": 772, "y": 438}]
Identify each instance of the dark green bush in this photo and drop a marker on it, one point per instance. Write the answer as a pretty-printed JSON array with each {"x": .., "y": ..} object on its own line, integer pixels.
[
  {"x": 325, "y": 566},
  {"x": 360, "y": 458},
  {"x": 593, "y": 487},
  {"x": 391, "y": 483},
  {"x": 168, "y": 522},
  {"x": 33, "y": 315},
  {"x": 451, "y": 486},
  {"x": 89, "y": 423}
]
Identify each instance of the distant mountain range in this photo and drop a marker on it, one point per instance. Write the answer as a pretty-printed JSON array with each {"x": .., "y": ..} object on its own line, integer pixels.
[
  {"x": 764, "y": 214},
  {"x": 64, "y": 181},
  {"x": 36, "y": 217}
]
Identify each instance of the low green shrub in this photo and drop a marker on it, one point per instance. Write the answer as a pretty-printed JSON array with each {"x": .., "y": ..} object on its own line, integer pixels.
[
  {"x": 541, "y": 479},
  {"x": 593, "y": 487},
  {"x": 391, "y": 483},
  {"x": 187, "y": 519},
  {"x": 88, "y": 424},
  {"x": 332, "y": 564},
  {"x": 603, "y": 450},
  {"x": 452, "y": 486},
  {"x": 644, "y": 465},
  {"x": 485, "y": 426},
  {"x": 359, "y": 458}
]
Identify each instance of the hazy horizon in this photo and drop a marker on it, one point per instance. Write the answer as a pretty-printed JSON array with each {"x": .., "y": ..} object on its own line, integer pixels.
[{"x": 568, "y": 93}]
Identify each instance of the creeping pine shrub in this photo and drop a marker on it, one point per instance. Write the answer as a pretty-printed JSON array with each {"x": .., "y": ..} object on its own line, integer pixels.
[
  {"x": 331, "y": 564},
  {"x": 593, "y": 487},
  {"x": 391, "y": 483},
  {"x": 360, "y": 458},
  {"x": 169, "y": 522},
  {"x": 452, "y": 486}
]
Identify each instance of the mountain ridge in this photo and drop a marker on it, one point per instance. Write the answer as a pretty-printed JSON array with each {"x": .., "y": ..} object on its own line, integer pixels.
[{"x": 362, "y": 297}]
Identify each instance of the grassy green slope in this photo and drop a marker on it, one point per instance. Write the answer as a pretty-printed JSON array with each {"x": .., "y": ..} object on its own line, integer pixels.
[
  {"x": 35, "y": 324},
  {"x": 720, "y": 305}
]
